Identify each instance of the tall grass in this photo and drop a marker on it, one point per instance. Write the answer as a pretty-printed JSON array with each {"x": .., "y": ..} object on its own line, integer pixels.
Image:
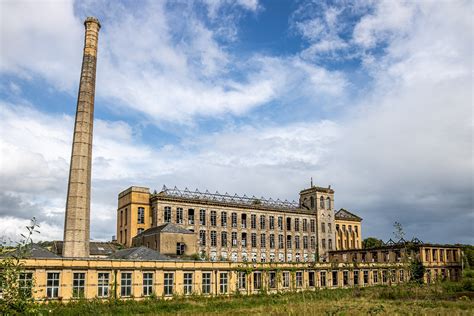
[{"x": 371, "y": 300}]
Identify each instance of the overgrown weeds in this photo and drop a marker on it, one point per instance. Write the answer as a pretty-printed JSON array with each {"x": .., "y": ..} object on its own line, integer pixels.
[{"x": 407, "y": 298}]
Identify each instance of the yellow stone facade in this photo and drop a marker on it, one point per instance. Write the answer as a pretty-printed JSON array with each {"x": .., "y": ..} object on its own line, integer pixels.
[
  {"x": 129, "y": 203},
  {"x": 66, "y": 279},
  {"x": 233, "y": 231},
  {"x": 348, "y": 230}
]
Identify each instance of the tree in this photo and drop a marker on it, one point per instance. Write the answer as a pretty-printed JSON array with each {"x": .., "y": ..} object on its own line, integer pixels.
[
  {"x": 468, "y": 257},
  {"x": 417, "y": 271},
  {"x": 372, "y": 242},
  {"x": 398, "y": 232},
  {"x": 17, "y": 298}
]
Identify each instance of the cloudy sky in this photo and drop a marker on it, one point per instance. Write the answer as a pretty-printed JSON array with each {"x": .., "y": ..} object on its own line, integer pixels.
[{"x": 252, "y": 97}]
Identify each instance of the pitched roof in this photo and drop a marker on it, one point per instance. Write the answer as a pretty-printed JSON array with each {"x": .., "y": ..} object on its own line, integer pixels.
[
  {"x": 31, "y": 251},
  {"x": 344, "y": 214},
  {"x": 139, "y": 253},
  {"x": 166, "y": 228},
  {"x": 96, "y": 248}
]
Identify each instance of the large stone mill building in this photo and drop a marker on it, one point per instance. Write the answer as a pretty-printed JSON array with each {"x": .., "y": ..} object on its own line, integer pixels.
[{"x": 236, "y": 228}]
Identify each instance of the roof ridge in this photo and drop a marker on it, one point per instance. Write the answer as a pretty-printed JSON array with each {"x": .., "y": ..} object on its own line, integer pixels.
[{"x": 349, "y": 213}]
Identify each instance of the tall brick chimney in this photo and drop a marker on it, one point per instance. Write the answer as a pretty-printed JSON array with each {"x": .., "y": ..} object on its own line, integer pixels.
[{"x": 77, "y": 220}]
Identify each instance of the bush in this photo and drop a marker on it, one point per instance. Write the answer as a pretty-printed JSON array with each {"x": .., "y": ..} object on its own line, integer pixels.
[
  {"x": 468, "y": 274},
  {"x": 468, "y": 284}
]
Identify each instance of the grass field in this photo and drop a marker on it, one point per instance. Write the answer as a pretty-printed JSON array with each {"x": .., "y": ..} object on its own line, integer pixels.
[{"x": 441, "y": 299}]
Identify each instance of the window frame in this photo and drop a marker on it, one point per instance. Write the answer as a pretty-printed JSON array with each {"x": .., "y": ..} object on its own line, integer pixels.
[
  {"x": 271, "y": 222},
  {"x": 126, "y": 284},
  {"x": 272, "y": 280},
  {"x": 263, "y": 240},
  {"x": 234, "y": 240},
  {"x": 168, "y": 283},
  {"x": 206, "y": 282},
  {"x": 202, "y": 217},
  {"x": 147, "y": 283},
  {"x": 253, "y": 240},
  {"x": 224, "y": 239},
  {"x": 103, "y": 284},
  {"x": 257, "y": 280},
  {"x": 311, "y": 279},
  {"x": 323, "y": 281},
  {"x": 263, "y": 222},
  {"x": 53, "y": 285},
  {"x": 213, "y": 218},
  {"x": 242, "y": 280},
  {"x": 179, "y": 215},
  {"x": 141, "y": 215},
  {"x": 223, "y": 282},
  {"x": 213, "y": 238},
  {"x": 202, "y": 237},
  {"x": 167, "y": 214},
  {"x": 299, "y": 279},
  {"x": 285, "y": 279},
  {"x": 78, "y": 284},
  {"x": 25, "y": 284},
  {"x": 223, "y": 219},
  {"x": 188, "y": 278}
]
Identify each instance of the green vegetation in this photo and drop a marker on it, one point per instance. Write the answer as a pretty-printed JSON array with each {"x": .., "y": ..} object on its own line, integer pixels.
[
  {"x": 16, "y": 293},
  {"x": 439, "y": 299},
  {"x": 468, "y": 258},
  {"x": 372, "y": 242},
  {"x": 417, "y": 271}
]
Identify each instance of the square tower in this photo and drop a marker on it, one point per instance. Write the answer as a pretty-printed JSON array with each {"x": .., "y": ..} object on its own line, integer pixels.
[{"x": 321, "y": 201}]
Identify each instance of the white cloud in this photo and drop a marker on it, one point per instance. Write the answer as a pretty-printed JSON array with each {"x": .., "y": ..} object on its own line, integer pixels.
[
  {"x": 163, "y": 62},
  {"x": 12, "y": 227},
  {"x": 214, "y": 6},
  {"x": 390, "y": 19},
  {"x": 41, "y": 39}
]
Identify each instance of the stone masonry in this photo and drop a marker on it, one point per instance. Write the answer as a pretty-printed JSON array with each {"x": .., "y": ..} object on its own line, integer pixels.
[{"x": 77, "y": 219}]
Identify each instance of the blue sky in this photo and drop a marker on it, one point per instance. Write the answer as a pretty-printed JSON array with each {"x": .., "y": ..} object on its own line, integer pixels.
[{"x": 254, "y": 97}]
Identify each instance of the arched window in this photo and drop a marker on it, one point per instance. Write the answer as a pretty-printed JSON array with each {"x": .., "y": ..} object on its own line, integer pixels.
[
  {"x": 328, "y": 203},
  {"x": 321, "y": 202},
  {"x": 312, "y": 202}
]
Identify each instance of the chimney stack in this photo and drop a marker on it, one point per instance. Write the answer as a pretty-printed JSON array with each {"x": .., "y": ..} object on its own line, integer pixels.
[{"x": 77, "y": 219}]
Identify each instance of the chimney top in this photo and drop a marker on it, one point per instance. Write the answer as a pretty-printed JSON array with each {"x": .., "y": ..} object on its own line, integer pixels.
[{"x": 92, "y": 19}]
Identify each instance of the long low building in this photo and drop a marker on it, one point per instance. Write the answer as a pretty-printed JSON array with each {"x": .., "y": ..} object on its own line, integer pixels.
[{"x": 136, "y": 273}]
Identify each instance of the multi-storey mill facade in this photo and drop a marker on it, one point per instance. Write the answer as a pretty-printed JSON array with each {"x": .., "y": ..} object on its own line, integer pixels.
[{"x": 232, "y": 228}]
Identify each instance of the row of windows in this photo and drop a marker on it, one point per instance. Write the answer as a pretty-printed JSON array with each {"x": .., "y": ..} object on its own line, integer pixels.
[
  {"x": 354, "y": 244},
  {"x": 357, "y": 277},
  {"x": 441, "y": 255},
  {"x": 104, "y": 286},
  {"x": 272, "y": 242},
  {"x": 124, "y": 216},
  {"x": 223, "y": 221},
  {"x": 323, "y": 227},
  {"x": 324, "y": 203},
  {"x": 349, "y": 229},
  {"x": 262, "y": 223},
  {"x": 323, "y": 243},
  {"x": 273, "y": 257}
]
